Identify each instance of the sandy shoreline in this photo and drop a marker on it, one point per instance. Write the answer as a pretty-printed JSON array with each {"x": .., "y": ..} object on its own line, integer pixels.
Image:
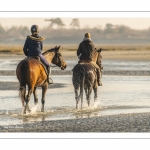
[
  {"x": 139, "y": 122},
  {"x": 133, "y": 55}
]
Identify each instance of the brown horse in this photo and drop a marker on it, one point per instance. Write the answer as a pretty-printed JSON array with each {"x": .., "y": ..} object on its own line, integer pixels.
[
  {"x": 84, "y": 76},
  {"x": 31, "y": 72}
]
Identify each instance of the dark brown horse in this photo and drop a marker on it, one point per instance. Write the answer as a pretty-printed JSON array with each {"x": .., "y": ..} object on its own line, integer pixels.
[
  {"x": 85, "y": 77},
  {"x": 31, "y": 72}
]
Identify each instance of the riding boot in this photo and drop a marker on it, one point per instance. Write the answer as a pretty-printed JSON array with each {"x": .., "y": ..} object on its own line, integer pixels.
[
  {"x": 99, "y": 77},
  {"x": 50, "y": 81}
]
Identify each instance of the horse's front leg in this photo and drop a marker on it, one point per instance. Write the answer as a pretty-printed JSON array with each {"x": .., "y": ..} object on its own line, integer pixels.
[
  {"x": 35, "y": 96},
  {"x": 44, "y": 89},
  {"x": 77, "y": 97}
]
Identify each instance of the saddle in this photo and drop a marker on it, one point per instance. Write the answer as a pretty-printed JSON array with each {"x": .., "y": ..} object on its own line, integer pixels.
[
  {"x": 84, "y": 61},
  {"x": 38, "y": 59},
  {"x": 35, "y": 57}
]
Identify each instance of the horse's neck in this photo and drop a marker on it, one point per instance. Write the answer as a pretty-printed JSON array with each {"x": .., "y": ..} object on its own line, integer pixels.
[
  {"x": 49, "y": 56},
  {"x": 95, "y": 56}
]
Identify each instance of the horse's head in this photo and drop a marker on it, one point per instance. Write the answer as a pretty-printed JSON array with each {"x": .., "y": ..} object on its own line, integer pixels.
[
  {"x": 97, "y": 57},
  {"x": 58, "y": 59}
]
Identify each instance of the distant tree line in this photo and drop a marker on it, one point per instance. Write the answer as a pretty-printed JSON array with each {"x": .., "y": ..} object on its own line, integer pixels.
[{"x": 111, "y": 34}]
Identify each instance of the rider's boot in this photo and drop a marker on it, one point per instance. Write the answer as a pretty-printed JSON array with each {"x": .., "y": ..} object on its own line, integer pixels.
[
  {"x": 49, "y": 80},
  {"x": 99, "y": 77}
]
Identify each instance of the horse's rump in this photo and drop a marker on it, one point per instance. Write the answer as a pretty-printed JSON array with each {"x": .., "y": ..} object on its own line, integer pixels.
[
  {"x": 30, "y": 70},
  {"x": 84, "y": 69},
  {"x": 87, "y": 67}
]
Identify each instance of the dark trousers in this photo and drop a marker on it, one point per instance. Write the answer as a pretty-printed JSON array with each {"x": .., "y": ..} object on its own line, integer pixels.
[{"x": 44, "y": 61}]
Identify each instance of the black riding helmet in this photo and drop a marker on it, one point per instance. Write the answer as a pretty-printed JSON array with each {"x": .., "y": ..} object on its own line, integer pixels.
[{"x": 34, "y": 28}]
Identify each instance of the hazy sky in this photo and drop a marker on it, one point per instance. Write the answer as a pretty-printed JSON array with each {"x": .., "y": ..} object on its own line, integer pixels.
[{"x": 136, "y": 23}]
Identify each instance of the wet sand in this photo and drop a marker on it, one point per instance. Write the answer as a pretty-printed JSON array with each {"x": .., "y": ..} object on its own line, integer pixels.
[
  {"x": 15, "y": 85},
  {"x": 139, "y": 122}
]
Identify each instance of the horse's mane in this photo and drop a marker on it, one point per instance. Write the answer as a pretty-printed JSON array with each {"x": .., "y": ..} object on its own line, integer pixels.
[{"x": 48, "y": 51}]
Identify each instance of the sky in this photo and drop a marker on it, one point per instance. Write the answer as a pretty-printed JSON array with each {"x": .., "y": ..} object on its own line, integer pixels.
[{"x": 134, "y": 23}]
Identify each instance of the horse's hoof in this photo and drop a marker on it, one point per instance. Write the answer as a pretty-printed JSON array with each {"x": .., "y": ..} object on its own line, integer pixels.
[
  {"x": 95, "y": 100},
  {"x": 77, "y": 107}
]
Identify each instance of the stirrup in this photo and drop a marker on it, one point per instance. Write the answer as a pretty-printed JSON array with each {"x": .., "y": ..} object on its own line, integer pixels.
[
  {"x": 100, "y": 83},
  {"x": 50, "y": 81}
]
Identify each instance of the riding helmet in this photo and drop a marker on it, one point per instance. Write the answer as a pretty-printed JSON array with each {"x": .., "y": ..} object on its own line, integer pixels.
[{"x": 34, "y": 28}]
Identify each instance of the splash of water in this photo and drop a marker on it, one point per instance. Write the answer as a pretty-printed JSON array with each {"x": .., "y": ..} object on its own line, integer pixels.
[
  {"x": 95, "y": 105},
  {"x": 34, "y": 109}
]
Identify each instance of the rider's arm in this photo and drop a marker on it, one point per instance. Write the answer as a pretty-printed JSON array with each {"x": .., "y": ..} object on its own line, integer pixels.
[
  {"x": 41, "y": 46},
  {"x": 25, "y": 48}
]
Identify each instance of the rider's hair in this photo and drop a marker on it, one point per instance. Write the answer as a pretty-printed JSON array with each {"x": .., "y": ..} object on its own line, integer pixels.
[{"x": 87, "y": 35}]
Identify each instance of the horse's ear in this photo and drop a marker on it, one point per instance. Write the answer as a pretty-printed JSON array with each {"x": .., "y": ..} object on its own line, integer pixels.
[
  {"x": 99, "y": 50},
  {"x": 58, "y": 48}
]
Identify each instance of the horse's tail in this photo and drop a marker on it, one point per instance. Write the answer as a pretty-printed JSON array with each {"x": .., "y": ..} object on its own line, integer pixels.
[
  {"x": 22, "y": 89},
  {"x": 82, "y": 78}
]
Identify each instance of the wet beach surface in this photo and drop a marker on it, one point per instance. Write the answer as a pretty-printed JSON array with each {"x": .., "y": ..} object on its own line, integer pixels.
[
  {"x": 139, "y": 122},
  {"x": 120, "y": 107},
  {"x": 123, "y": 104}
]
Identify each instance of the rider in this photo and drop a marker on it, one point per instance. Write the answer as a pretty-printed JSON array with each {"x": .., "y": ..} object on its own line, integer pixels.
[
  {"x": 33, "y": 47},
  {"x": 85, "y": 51}
]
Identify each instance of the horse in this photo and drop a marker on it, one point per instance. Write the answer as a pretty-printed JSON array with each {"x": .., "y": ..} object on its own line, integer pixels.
[
  {"x": 31, "y": 72},
  {"x": 84, "y": 76}
]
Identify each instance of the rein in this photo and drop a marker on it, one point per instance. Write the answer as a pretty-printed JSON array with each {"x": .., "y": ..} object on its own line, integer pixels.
[
  {"x": 53, "y": 66},
  {"x": 61, "y": 62}
]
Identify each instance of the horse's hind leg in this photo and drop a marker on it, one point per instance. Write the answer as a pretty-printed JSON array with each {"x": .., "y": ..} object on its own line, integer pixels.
[
  {"x": 22, "y": 93},
  {"x": 89, "y": 95},
  {"x": 77, "y": 97},
  {"x": 95, "y": 92},
  {"x": 35, "y": 96},
  {"x": 86, "y": 91},
  {"x": 27, "y": 99},
  {"x": 44, "y": 89}
]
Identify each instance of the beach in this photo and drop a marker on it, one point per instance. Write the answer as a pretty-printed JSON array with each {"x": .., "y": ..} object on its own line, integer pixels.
[{"x": 129, "y": 122}]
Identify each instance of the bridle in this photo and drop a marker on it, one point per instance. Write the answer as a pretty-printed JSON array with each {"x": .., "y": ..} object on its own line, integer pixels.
[{"x": 61, "y": 61}]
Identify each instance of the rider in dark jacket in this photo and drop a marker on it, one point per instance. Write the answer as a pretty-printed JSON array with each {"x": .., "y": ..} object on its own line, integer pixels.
[
  {"x": 33, "y": 47},
  {"x": 85, "y": 51}
]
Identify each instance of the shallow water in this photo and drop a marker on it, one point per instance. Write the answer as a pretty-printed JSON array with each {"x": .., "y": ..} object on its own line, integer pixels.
[
  {"x": 10, "y": 64},
  {"x": 118, "y": 95}
]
